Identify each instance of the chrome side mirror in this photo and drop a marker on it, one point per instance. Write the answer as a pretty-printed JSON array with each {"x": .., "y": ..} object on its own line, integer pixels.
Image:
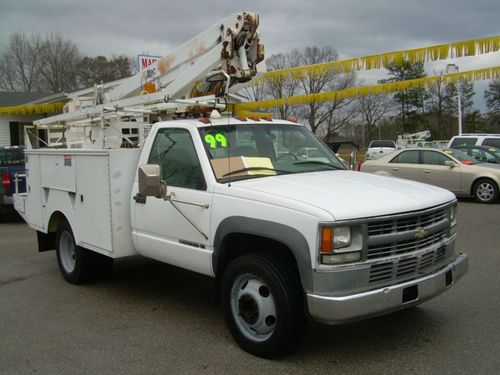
[
  {"x": 450, "y": 163},
  {"x": 150, "y": 182}
]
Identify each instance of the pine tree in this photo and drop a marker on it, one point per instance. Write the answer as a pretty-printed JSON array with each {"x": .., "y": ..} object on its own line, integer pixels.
[{"x": 411, "y": 100}]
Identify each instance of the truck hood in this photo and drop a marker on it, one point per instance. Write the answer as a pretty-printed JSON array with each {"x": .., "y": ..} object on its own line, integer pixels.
[{"x": 347, "y": 195}]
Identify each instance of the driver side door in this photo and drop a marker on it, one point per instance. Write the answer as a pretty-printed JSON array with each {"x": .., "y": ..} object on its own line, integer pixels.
[{"x": 176, "y": 231}]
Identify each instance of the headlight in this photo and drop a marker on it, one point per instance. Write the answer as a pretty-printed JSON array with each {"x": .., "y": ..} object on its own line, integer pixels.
[
  {"x": 338, "y": 238},
  {"x": 453, "y": 215},
  {"x": 334, "y": 238},
  {"x": 453, "y": 220},
  {"x": 341, "y": 237}
]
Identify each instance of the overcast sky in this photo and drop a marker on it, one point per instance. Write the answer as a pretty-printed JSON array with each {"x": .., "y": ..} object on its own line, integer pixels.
[{"x": 353, "y": 27}]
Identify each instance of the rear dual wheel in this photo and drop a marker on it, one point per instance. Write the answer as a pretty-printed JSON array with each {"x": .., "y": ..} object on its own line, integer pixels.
[
  {"x": 79, "y": 265},
  {"x": 262, "y": 303}
]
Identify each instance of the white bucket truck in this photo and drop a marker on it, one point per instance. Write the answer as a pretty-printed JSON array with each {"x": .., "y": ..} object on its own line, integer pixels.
[{"x": 286, "y": 238}]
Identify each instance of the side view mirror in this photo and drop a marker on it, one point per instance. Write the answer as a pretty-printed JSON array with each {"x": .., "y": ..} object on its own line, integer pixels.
[
  {"x": 450, "y": 163},
  {"x": 150, "y": 182}
]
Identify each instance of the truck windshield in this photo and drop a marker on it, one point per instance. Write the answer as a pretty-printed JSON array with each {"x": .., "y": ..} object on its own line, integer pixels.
[
  {"x": 257, "y": 150},
  {"x": 389, "y": 144}
]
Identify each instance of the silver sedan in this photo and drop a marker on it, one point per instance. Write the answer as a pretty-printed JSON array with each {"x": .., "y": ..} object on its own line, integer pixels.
[{"x": 449, "y": 169}]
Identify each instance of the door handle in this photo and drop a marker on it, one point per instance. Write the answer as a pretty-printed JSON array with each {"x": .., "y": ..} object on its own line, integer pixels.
[
  {"x": 427, "y": 171},
  {"x": 395, "y": 169}
]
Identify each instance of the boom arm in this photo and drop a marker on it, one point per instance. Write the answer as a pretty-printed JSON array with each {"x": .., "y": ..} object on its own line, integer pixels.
[
  {"x": 231, "y": 45},
  {"x": 205, "y": 67}
]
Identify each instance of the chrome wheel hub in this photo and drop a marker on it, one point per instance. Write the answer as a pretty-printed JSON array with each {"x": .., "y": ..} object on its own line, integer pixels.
[{"x": 485, "y": 191}]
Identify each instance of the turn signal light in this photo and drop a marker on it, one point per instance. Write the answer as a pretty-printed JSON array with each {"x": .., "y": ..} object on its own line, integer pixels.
[{"x": 326, "y": 240}]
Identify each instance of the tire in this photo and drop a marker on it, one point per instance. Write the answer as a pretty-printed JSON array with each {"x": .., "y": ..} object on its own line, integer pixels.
[
  {"x": 79, "y": 265},
  {"x": 262, "y": 303},
  {"x": 485, "y": 191}
]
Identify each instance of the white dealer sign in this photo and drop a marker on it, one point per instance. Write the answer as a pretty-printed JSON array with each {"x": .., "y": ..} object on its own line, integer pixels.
[{"x": 143, "y": 61}]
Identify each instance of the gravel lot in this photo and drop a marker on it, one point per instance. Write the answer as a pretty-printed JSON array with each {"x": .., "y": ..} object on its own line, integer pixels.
[{"x": 150, "y": 318}]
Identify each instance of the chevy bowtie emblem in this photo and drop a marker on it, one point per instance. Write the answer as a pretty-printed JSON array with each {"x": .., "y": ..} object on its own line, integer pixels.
[{"x": 421, "y": 233}]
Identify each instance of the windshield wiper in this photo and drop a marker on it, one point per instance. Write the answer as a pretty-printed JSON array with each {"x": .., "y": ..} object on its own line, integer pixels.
[
  {"x": 318, "y": 163},
  {"x": 278, "y": 171}
]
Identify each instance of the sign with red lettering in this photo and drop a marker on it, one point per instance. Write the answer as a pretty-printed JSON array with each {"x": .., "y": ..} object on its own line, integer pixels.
[{"x": 143, "y": 61}]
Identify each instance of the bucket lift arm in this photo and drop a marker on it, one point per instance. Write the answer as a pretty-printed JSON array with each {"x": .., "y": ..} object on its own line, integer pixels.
[{"x": 205, "y": 67}]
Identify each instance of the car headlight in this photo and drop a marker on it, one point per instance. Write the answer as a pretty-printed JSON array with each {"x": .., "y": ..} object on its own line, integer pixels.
[
  {"x": 341, "y": 237},
  {"x": 333, "y": 239}
]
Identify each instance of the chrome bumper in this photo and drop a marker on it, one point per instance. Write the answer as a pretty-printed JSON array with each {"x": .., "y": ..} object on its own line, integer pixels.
[{"x": 338, "y": 310}]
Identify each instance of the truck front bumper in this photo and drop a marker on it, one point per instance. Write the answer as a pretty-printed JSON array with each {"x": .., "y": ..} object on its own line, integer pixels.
[{"x": 338, "y": 310}]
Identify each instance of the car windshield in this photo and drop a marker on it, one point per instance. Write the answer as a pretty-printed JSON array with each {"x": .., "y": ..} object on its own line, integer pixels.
[
  {"x": 382, "y": 144},
  {"x": 495, "y": 142},
  {"x": 458, "y": 141},
  {"x": 461, "y": 156},
  {"x": 256, "y": 150}
]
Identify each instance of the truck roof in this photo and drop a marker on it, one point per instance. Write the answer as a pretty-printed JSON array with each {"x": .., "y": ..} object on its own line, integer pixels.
[{"x": 204, "y": 122}]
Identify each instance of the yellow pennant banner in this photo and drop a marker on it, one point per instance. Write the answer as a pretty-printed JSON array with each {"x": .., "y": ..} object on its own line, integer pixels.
[
  {"x": 385, "y": 88},
  {"x": 471, "y": 47},
  {"x": 32, "y": 109}
]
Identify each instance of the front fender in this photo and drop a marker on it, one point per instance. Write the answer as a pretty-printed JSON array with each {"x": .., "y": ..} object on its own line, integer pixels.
[{"x": 285, "y": 234}]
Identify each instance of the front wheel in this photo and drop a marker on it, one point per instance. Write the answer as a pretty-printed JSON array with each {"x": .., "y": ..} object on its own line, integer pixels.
[
  {"x": 485, "y": 191},
  {"x": 262, "y": 303},
  {"x": 78, "y": 265}
]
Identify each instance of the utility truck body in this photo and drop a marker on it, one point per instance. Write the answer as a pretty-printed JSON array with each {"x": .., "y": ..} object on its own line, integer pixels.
[
  {"x": 233, "y": 198},
  {"x": 399, "y": 236}
]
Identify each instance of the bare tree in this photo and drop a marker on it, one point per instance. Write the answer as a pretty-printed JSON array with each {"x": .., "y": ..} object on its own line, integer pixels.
[
  {"x": 373, "y": 109},
  {"x": 339, "y": 113},
  {"x": 20, "y": 64},
  {"x": 59, "y": 68},
  {"x": 256, "y": 91},
  {"x": 281, "y": 86},
  {"x": 318, "y": 113}
]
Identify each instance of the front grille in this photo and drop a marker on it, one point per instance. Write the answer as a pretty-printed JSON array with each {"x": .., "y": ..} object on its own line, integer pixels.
[
  {"x": 416, "y": 221},
  {"x": 396, "y": 248},
  {"x": 397, "y": 236},
  {"x": 406, "y": 267}
]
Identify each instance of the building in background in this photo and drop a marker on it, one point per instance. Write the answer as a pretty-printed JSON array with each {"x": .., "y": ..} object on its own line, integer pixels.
[{"x": 19, "y": 109}]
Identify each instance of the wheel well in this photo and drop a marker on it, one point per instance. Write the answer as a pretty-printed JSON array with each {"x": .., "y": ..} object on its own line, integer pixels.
[
  {"x": 56, "y": 219},
  {"x": 473, "y": 185},
  {"x": 47, "y": 241},
  {"x": 235, "y": 245}
]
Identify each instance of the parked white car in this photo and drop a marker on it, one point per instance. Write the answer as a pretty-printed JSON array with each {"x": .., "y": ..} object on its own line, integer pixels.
[
  {"x": 477, "y": 139},
  {"x": 379, "y": 148}
]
